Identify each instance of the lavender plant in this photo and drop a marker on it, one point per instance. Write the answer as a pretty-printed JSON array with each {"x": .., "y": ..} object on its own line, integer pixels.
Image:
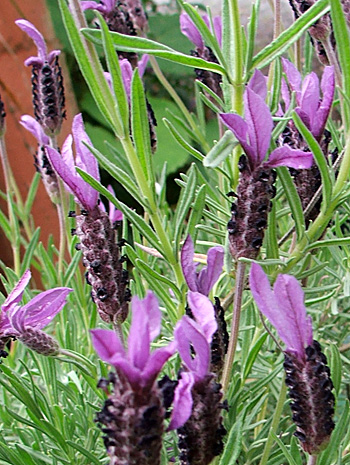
[{"x": 170, "y": 385}]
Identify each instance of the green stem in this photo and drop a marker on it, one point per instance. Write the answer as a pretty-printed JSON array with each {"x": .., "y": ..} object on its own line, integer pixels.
[
  {"x": 312, "y": 460},
  {"x": 237, "y": 51},
  {"x": 152, "y": 207},
  {"x": 237, "y": 305},
  {"x": 275, "y": 422},
  {"x": 173, "y": 94}
]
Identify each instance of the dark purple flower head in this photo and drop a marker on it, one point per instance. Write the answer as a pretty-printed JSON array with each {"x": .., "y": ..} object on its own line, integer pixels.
[
  {"x": 139, "y": 365},
  {"x": 34, "y": 34},
  {"x": 254, "y": 135},
  {"x": 204, "y": 280},
  {"x": 284, "y": 308},
  {"x": 65, "y": 164},
  {"x": 313, "y": 110},
  {"x": 21, "y": 321},
  {"x": 191, "y": 32}
]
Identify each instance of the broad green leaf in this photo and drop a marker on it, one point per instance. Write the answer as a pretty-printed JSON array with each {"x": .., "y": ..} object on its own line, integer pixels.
[
  {"x": 293, "y": 200},
  {"x": 139, "y": 44},
  {"x": 289, "y": 36},
  {"x": 221, "y": 150}
]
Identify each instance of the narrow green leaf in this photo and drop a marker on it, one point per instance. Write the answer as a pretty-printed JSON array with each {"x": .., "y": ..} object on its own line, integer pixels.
[
  {"x": 342, "y": 425},
  {"x": 284, "y": 449},
  {"x": 31, "y": 248},
  {"x": 276, "y": 89},
  {"x": 140, "y": 126},
  {"x": 290, "y": 35},
  {"x": 32, "y": 193},
  {"x": 83, "y": 450},
  {"x": 271, "y": 235},
  {"x": 142, "y": 45},
  {"x": 72, "y": 268},
  {"x": 233, "y": 445},
  {"x": 130, "y": 214},
  {"x": 117, "y": 173},
  {"x": 335, "y": 366},
  {"x": 251, "y": 33},
  {"x": 342, "y": 39},
  {"x": 319, "y": 159},
  {"x": 181, "y": 141},
  {"x": 183, "y": 205},
  {"x": 10, "y": 456},
  {"x": 253, "y": 354},
  {"x": 329, "y": 243},
  {"x": 293, "y": 200},
  {"x": 144, "y": 268},
  {"x": 212, "y": 94},
  {"x": 196, "y": 213},
  {"x": 91, "y": 69},
  {"x": 221, "y": 150},
  {"x": 116, "y": 75}
]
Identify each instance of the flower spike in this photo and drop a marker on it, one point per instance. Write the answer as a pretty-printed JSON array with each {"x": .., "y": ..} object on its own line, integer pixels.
[{"x": 307, "y": 373}]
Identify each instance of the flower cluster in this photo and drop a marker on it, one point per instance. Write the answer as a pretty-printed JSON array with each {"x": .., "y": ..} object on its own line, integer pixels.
[
  {"x": 256, "y": 184},
  {"x": 26, "y": 322},
  {"x": 94, "y": 227},
  {"x": 307, "y": 373}
]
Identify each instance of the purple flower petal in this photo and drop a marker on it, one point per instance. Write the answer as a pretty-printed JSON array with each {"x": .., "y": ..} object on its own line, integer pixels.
[
  {"x": 310, "y": 96},
  {"x": 187, "y": 264},
  {"x": 16, "y": 294},
  {"x": 156, "y": 362},
  {"x": 240, "y": 129},
  {"x": 217, "y": 22},
  {"x": 34, "y": 34},
  {"x": 142, "y": 64},
  {"x": 328, "y": 87},
  {"x": 257, "y": 84},
  {"x": 107, "y": 344},
  {"x": 283, "y": 307},
  {"x": 294, "y": 78},
  {"x": 293, "y": 158},
  {"x": 259, "y": 121},
  {"x": 208, "y": 276},
  {"x": 106, "y": 7},
  {"x": 29, "y": 123},
  {"x": 40, "y": 311},
  {"x": 190, "y": 31},
  {"x": 126, "y": 70},
  {"x": 183, "y": 402},
  {"x": 285, "y": 95},
  {"x": 145, "y": 326},
  {"x": 203, "y": 312},
  {"x": 188, "y": 336}
]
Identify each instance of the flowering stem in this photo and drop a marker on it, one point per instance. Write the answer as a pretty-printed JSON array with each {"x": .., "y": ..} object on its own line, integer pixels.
[
  {"x": 62, "y": 214},
  {"x": 238, "y": 87},
  {"x": 275, "y": 422},
  {"x": 15, "y": 243},
  {"x": 173, "y": 94},
  {"x": 237, "y": 305}
]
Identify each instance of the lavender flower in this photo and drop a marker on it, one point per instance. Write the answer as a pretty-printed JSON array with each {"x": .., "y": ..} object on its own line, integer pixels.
[
  {"x": 26, "y": 322},
  {"x": 314, "y": 113},
  {"x": 42, "y": 163},
  {"x": 307, "y": 373},
  {"x": 96, "y": 231},
  {"x": 201, "y": 281},
  {"x": 134, "y": 437},
  {"x": 126, "y": 17},
  {"x": 210, "y": 79},
  {"x": 256, "y": 184},
  {"x": 312, "y": 110},
  {"x": 47, "y": 81},
  {"x": 200, "y": 439}
]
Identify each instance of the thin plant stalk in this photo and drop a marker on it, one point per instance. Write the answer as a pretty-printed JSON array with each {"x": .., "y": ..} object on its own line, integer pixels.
[
  {"x": 15, "y": 242},
  {"x": 275, "y": 422},
  {"x": 237, "y": 305}
]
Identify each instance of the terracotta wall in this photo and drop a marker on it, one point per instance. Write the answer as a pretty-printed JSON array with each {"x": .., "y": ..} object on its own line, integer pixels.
[{"x": 15, "y": 88}]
